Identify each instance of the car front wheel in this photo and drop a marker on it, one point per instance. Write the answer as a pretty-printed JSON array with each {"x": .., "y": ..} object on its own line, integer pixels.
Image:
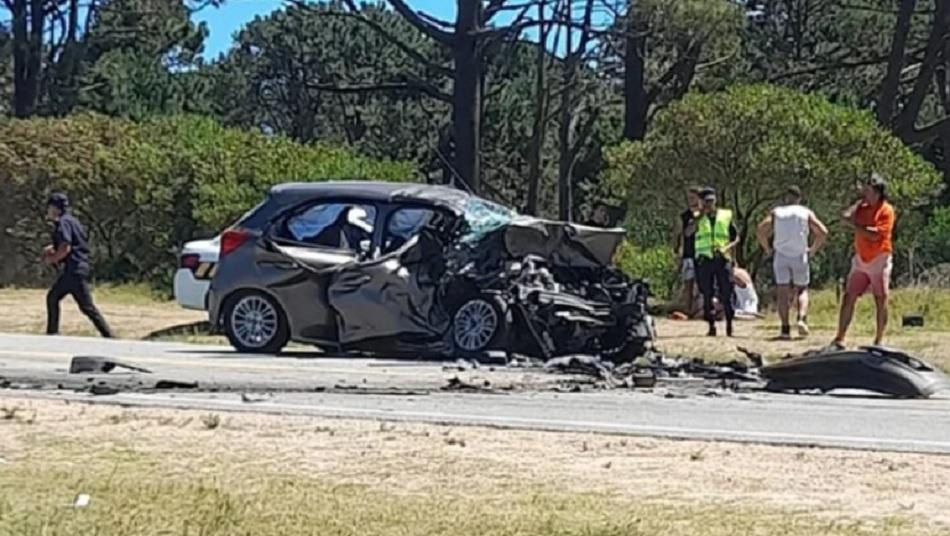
[
  {"x": 254, "y": 323},
  {"x": 479, "y": 325}
]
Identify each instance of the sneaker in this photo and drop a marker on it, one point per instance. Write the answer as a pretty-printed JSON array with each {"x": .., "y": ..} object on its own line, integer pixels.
[
  {"x": 835, "y": 346},
  {"x": 803, "y": 329},
  {"x": 712, "y": 331},
  {"x": 728, "y": 329},
  {"x": 786, "y": 334}
]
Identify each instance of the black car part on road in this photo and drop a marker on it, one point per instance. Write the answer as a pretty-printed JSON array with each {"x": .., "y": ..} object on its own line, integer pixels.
[{"x": 871, "y": 368}]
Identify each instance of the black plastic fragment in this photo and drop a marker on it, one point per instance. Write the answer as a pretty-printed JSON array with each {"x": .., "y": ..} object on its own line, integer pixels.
[
  {"x": 878, "y": 369},
  {"x": 93, "y": 364}
]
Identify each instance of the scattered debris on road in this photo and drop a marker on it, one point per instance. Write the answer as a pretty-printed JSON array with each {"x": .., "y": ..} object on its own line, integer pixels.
[
  {"x": 92, "y": 364},
  {"x": 880, "y": 370},
  {"x": 457, "y": 384},
  {"x": 104, "y": 390},
  {"x": 174, "y": 384}
]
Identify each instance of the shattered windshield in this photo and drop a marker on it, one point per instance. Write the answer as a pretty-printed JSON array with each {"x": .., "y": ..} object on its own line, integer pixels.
[{"x": 484, "y": 217}]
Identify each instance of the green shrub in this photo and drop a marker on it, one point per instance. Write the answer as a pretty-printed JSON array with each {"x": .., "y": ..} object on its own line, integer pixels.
[
  {"x": 143, "y": 189},
  {"x": 750, "y": 142},
  {"x": 656, "y": 264}
]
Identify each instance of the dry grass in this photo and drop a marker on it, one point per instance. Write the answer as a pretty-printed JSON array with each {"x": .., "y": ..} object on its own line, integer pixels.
[
  {"x": 153, "y": 472},
  {"x": 133, "y": 312}
]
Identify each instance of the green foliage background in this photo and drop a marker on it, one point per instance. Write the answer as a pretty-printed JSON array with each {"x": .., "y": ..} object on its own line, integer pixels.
[
  {"x": 143, "y": 189},
  {"x": 750, "y": 142}
]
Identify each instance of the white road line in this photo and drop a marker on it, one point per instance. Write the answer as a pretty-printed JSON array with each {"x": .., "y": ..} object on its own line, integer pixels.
[{"x": 677, "y": 432}]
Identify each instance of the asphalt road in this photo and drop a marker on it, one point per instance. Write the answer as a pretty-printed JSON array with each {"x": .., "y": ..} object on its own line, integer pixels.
[{"x": 307, "y": 383}]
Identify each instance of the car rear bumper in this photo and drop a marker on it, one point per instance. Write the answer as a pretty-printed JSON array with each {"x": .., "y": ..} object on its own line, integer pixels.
[{"x": 190, "y": 293}]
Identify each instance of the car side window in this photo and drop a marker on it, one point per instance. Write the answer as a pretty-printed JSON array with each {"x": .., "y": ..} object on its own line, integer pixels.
[
  {"x": 403, "y": 224},
  {"x": 346, "y": 226}
]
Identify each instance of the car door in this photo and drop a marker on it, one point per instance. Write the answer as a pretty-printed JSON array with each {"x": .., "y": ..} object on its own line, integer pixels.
[
  {"x": 395, "y": 295},
  {"x": 302, "y": 247}
]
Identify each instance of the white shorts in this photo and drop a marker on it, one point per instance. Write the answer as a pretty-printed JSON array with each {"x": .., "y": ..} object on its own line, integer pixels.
[
  {"x": 791, "y": 270},
  {"x": 688, "y": 269}
]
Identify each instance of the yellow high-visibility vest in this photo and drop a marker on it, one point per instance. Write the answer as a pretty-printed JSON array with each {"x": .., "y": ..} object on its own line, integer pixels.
[{"x": 710, "y": 238}]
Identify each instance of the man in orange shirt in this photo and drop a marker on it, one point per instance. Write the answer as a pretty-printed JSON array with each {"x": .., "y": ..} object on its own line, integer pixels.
[{"x": 872, "y": 219}]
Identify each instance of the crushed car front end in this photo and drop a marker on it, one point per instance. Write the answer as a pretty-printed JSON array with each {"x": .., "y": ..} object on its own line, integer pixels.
[{"x": 552, "y": 283}]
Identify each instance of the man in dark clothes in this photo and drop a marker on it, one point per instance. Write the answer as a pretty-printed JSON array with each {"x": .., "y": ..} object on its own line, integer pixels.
[
  {"x": 685, "y": 245},
  {"x": 716, "y": 237},
  {"x": 69, "y": 253}
]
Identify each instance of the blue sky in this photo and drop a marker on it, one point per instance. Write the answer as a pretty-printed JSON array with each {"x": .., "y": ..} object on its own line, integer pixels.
[{"x": 228, "y": 19}]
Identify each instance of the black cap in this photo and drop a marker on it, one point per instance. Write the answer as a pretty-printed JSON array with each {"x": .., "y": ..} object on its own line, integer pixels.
[
  {"x": 707, "y": 193},
  {"x": 58, "y": 200}
]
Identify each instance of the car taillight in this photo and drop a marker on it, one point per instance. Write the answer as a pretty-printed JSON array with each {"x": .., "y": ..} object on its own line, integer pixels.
[
  {"x": 189, "y": 261},
  {"x": 233, "y": 239}
]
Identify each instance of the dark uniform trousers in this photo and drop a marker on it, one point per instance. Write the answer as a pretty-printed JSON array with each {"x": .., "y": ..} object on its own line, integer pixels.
[
  {"x": 76, "y": 285},
  {"x": 714, "y": 275}
]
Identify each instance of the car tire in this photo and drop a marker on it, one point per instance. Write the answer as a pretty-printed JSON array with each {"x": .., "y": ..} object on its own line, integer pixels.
[
  {"x": 480, "y": 324},
  {"x": 255, "y": 324}
]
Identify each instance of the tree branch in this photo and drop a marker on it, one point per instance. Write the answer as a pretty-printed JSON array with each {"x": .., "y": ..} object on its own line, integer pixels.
[
  {"x": 413, "y": 86},
  {"x": 439, "y": 36},
  {"x": 843, "y": 64},
  {"x": 378, "y": 28},
  {"x": 912, "y": 135}
]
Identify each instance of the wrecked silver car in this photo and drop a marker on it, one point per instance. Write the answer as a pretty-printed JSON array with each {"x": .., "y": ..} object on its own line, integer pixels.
[{"x": 416, "y": 270}]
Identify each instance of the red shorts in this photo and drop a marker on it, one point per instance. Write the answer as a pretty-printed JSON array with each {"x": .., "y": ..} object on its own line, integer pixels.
[{"x": 875, "y": 274}]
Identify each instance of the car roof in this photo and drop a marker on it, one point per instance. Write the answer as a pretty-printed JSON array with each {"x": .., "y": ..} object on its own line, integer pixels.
[{"x": 373, "y": 191}]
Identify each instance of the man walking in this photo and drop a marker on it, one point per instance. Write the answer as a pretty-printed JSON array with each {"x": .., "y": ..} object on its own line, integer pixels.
[
  {"x": 716, "y": 237},
  {"x": 790, "y": 225},
  {"x": 686, "y": 245},
  {"x": 69, "y": 253},
  {"x": 872, "y": 219}
]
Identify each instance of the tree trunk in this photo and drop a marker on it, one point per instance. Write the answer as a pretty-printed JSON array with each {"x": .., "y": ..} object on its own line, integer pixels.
[
  {"x": 565, "y": 144},
  {"x": 565, "y": 135},
  {"x": 906, "y": 123},
  {"x": 540, "y": 111},
  {"x": 635, "y": 94},
  {"x": 27, "y": 55},
  {"x": 895, "y": 63},
  {"x": 467, "y": 97}
]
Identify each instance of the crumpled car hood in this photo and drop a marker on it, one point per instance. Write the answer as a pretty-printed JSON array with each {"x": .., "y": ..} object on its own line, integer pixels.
[{"x": 561, "y": 243}]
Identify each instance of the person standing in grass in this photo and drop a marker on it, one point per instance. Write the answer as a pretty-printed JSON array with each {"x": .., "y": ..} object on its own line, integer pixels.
[
  {"x": 685, "y": 245},
  {"x": 69, "y": 253},
  {"x": 790, "y": 225},
  {"x": 716, "y": 238},
  {"x": 872, "y": 217}
]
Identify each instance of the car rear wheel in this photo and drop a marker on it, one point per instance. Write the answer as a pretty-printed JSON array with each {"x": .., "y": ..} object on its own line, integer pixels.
[
  {"x": 479, "y": 325},
  {"x": 254, "y": 323}
]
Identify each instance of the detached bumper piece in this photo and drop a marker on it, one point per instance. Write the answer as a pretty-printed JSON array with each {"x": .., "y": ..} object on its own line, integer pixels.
[{"x": 871, "y": 368}]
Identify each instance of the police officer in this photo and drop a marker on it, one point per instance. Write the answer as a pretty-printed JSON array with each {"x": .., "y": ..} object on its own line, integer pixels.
[
  {"x": 69, "y": 253},
  {"x": 716, "y": 237}
]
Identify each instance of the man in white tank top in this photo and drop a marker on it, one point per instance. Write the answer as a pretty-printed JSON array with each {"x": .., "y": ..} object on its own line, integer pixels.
[{"x": 791, "y": 225}]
